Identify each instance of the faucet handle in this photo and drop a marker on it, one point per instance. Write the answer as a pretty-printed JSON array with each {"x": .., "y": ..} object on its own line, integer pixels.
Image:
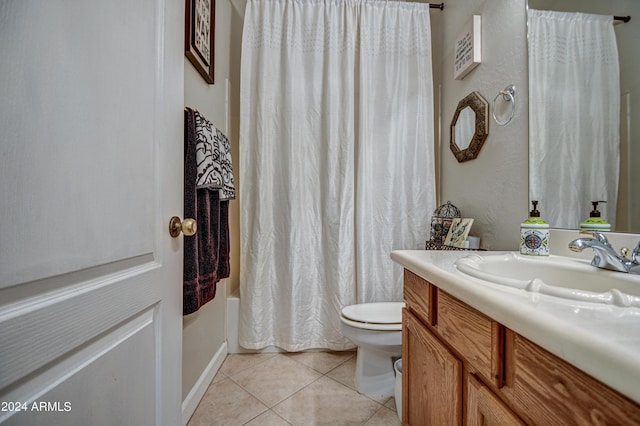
[
  {"x": 598, "y": 236},
  {"x": 624, "y": 252},
  {"x": 635, "y": 253}
]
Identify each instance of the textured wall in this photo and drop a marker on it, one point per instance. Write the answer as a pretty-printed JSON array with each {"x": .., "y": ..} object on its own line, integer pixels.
[{"x": 493, "y": 187}]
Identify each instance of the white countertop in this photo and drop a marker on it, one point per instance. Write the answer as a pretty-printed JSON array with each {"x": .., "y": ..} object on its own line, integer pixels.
[{"x": 602, "y": 340}]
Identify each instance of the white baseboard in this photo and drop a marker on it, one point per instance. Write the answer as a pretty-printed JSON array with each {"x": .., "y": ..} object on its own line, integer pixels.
[{"x": 196, "y": 393}]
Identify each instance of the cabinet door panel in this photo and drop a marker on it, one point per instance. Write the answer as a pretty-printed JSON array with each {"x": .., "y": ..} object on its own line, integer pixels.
[
  {"x": 484, "y": 408},
  {"x": 432, "y": 378}
]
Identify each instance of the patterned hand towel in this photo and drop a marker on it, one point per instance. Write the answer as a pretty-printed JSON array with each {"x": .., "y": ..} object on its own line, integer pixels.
[{"x": 213, "y": 157}]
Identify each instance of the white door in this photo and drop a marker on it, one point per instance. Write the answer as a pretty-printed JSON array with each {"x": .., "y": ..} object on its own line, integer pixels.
[{"x": 91, "y": 112}]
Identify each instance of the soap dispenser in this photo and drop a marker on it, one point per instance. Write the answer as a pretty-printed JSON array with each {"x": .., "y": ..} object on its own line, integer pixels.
[
  {"x": 534, "y": 234},
  {"x": 594, "y": 222}
]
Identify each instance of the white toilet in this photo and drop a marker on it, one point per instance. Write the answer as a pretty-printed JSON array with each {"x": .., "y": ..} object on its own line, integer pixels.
[{"x": 376, "y": 328}]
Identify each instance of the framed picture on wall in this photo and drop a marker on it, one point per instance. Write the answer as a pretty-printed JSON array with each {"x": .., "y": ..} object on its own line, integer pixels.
[
  {"x": 199, "y": 36},
  {"x": 468, "y": 48}
]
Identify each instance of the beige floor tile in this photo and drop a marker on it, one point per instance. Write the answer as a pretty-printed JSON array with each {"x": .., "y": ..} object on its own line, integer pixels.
[
  {"x": 271, "y": 378},
  {"x": 275, "y": 379},
  {"x": 268, "y": 418},
  {"x": 380, "y": 399},
  {"x": 322, "y": 362},
  {"x": 218, "y": 377},
  {"x": 326, "y": 402},
  {"x": 345, "y": 373},
  {"x": 391, "y": 404},
  {"x": 235, "y": 363},
  {"x": 384, "y": 417},
  {"x": 226, "y": 403}
]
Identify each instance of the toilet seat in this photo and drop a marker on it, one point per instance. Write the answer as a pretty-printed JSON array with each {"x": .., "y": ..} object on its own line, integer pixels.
[
  {"x": 385, "y": 316},
  {"x": 371, "y": 326},
  {"x": 375, "y": 313}
]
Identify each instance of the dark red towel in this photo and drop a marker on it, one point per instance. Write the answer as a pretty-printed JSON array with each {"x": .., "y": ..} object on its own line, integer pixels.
[{"x": 206, "y": 254}]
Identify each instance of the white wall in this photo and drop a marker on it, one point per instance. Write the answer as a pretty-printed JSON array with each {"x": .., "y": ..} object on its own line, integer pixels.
[
  {"x": 493, "y": 187},
  {"x": 204, "y": 332}
]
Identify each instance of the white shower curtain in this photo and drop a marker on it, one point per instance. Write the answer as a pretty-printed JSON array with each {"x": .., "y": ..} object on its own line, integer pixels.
[
  {"x": 336, "y": 162},
  {"x": 574, "y": 115}
]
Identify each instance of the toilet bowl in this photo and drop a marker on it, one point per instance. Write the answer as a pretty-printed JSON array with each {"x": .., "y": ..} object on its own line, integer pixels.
[{"x": 376, "y": 328}]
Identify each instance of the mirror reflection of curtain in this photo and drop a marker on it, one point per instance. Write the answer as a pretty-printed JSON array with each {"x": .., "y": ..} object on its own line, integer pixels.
[
  {"x": 574, "y": 115},
  {"x": 465, "y": 128},
  {"x": 336, "y": 162}
]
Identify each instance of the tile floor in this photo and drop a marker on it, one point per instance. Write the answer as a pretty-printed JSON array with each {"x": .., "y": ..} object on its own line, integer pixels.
[{"x": 310, "y": 388}]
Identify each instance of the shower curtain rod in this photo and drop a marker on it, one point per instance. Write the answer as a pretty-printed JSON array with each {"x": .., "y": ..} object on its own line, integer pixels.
[
  {"x": 441, "y": 6},
  {"x": 624, "y": 19}
]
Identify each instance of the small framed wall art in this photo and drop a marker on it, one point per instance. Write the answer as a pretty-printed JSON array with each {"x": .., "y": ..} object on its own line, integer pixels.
[
  {"x": 468, "y": 48},
  {"x": 199, "y": 36},
  {"x": 458, "y": 232}
]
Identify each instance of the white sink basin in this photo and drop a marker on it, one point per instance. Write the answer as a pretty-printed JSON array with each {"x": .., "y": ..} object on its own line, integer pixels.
[{"x": 555, "y": 276}]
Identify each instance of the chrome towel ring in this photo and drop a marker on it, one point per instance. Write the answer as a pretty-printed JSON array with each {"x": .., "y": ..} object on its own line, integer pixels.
[{"x": 509, "y": 95}]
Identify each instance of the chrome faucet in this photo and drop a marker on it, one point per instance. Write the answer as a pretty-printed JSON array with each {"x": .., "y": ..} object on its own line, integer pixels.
[{"x": 604, "y": 256}]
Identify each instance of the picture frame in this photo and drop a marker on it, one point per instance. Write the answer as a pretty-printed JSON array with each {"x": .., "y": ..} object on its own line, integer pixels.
[
  {"x": 468, "y": 48},
  {"x": 199, "y": 36},
  {"x": 458, "y": 232}
]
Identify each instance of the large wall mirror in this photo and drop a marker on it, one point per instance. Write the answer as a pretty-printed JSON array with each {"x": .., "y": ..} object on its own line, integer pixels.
[{"x": 584, "y": 117}]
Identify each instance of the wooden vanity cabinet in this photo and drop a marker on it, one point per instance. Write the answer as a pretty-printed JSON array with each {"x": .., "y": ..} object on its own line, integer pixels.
[
  {"x": 433, "y": 379},
  {"x": 446, "y": 346},
  {"x": 461, "y": 367}
]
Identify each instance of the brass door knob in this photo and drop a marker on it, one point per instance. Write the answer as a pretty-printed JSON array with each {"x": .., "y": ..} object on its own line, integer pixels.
[{"x": 188, "y": 227}]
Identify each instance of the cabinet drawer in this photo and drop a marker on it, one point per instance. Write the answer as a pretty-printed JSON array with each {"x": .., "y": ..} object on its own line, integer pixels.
[
  {"x": 472, "y": 334},
  {"x": 417, "y": 294},
  {"x": 551, "y": 391}
]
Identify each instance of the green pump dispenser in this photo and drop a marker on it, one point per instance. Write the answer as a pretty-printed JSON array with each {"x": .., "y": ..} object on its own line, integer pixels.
[
  {"x": 534, "y": 234},
  {"x": 594, "y": 222}
]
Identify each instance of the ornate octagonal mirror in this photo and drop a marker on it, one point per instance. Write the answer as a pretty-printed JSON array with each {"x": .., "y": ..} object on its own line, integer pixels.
[{"x": 469, "y": 127}]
